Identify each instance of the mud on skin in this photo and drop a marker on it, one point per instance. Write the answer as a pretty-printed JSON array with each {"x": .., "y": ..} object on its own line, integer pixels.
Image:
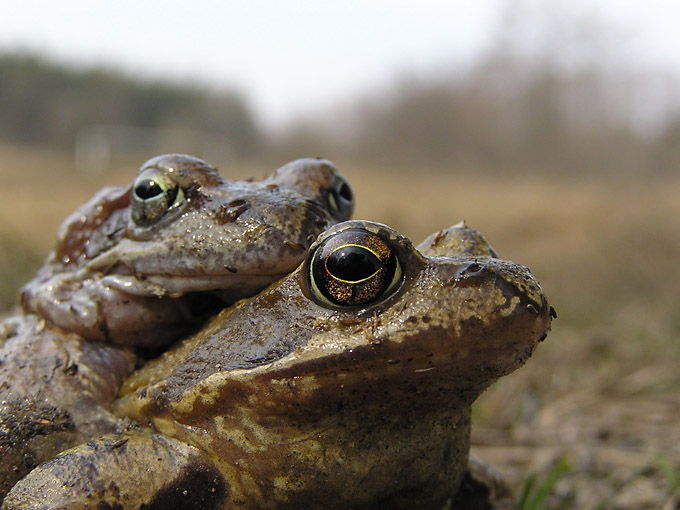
[
  {"x": 347, "y": 384},
  {"x": 134, "y": 266}
]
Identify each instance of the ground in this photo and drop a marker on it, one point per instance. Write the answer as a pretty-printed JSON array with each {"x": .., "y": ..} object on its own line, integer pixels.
[{"x": 599, "y": 399}]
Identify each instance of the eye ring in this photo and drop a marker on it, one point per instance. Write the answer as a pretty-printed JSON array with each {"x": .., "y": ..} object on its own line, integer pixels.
[
  {"x": 352, "y": 269},
  {"x": 154, "y": 193}
]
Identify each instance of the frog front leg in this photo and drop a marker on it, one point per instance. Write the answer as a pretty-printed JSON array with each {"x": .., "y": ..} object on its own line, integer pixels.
[
  {"x": 120, "y": 309},
  {"x": 54, "y": 392},
  {"x": 134, "y": 470}
]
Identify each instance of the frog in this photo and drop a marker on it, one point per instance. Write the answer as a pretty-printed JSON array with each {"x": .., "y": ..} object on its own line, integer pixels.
[
  {"x": 55, "y": 387},
  {"x": 346, "y": 384},
  {"x": 132, "y": 269},
  {"x": 138, "y": 265}
]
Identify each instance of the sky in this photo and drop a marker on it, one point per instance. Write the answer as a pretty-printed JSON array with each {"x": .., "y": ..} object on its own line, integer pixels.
[{"x": 295, "y": 58}]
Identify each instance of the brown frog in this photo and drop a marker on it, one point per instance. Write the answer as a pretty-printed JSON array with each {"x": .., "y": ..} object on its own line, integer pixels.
[
  {"x": 55, "y": 388},
  {"x": 347, "y": 384},
  {"x": 134, "y": 265}
]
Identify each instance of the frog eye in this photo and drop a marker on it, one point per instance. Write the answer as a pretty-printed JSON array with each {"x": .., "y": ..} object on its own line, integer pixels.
[
  {"x": 341, "y": 197},
  {"x": 353, "y": 268},
  {"x": 154, "y": 193}
]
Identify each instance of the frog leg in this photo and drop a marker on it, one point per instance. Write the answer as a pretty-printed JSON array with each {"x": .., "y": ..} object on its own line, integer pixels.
[
  {"x": 54, "y": 392},
  {"x": 133, "y": 470}
]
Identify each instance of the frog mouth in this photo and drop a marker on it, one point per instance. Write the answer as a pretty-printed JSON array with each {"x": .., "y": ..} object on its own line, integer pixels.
[{"x": 229, "y": 286}]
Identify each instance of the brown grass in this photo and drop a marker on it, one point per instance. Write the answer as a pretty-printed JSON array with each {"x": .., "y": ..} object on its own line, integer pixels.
[{"x": 601, "y": 391}]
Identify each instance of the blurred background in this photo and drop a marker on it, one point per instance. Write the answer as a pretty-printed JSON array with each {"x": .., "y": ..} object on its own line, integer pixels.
[{"x": 551, "y": 126}]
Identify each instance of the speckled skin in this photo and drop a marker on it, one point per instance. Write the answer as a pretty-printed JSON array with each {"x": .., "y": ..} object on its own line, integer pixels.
[
  {"x": 281, "y": 402},
  {"x": 111, "y": 279}
]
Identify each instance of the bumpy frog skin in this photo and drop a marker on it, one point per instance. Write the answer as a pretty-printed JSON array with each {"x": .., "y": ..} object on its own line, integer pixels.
[
  {"x": 55, "y": 388},
  {"x": 347, "y": 384},
  {"x": 128, "y": 264},
  {"x": 119, "y": 266}
]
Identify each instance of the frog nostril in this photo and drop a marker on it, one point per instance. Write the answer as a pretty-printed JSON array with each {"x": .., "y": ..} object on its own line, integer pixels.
[
  {"x": 230, "y": 212},
  {"x": 469, "y": 271},
  {"x": 472, "y": 269}
]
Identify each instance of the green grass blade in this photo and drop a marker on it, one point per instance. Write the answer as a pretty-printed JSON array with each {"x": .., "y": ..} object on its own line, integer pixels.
[{"x": 532, "y": 496}]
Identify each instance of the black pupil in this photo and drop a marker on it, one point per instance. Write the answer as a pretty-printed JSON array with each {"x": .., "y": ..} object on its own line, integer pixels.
[
  {"x": 148, "y": 189},
  {"x": 345, "y": 192},
  {"x": 352, "y": 263}
]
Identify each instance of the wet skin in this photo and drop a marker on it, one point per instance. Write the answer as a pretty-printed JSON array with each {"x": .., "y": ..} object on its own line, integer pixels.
[
  {"x": 347, "y": 384},
  {"x": 133, "y": 266}
]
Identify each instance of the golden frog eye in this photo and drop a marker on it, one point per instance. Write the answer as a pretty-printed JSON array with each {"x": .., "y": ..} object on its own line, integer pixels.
[
  {"x": 154, "y": 193},
  {"x": 353, "y": 268}
]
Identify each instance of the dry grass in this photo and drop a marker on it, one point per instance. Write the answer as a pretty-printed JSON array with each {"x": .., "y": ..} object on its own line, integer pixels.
[{"x": 601, "y": 391}]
